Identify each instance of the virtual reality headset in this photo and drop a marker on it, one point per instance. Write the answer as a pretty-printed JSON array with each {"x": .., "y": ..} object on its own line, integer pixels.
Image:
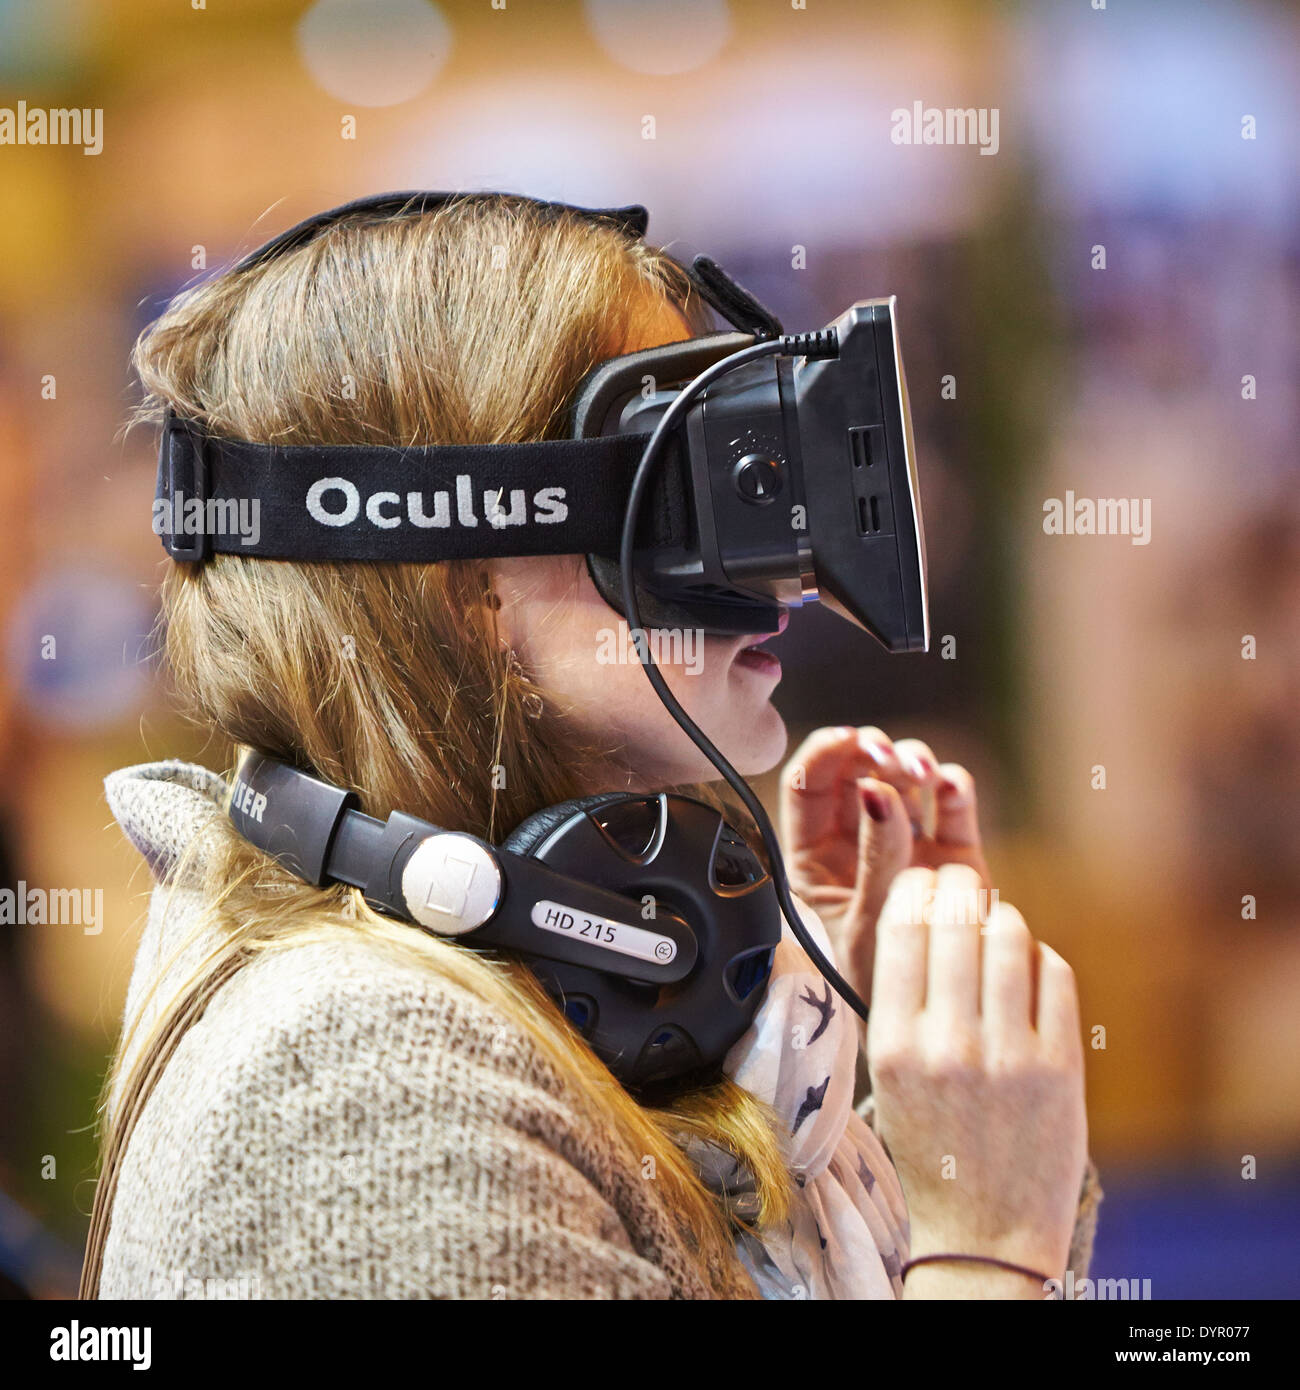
[{"x": 791, "y": 478}]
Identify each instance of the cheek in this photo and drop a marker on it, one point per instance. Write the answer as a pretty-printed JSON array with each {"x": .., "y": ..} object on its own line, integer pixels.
[
  {"x": 577, "y": 648},
  {"x": 592, "y": 668},
  {"x": 585, "y": 661},
  {"x": 697, "y": 671}
]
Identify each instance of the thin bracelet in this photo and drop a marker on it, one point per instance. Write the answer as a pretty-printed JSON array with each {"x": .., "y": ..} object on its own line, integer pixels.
[{"x": 980, "y": 1260}]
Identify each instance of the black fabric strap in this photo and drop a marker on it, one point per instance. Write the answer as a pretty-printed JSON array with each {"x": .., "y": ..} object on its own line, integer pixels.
[
  {"x": 557, "y": 497},
  {"x": 552, "y": 497}
]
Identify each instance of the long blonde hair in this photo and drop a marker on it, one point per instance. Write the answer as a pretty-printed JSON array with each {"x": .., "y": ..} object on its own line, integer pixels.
[{"x": 472, "y": 323}]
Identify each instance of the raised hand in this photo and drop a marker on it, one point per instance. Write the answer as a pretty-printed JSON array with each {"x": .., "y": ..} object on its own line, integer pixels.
[
  {"x": 976, "y": 1060},
  {"x": 857, "y": 809}
]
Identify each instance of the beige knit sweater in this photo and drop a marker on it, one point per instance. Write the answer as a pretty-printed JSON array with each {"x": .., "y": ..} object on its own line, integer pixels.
[{"x": 340, "y": 1125}]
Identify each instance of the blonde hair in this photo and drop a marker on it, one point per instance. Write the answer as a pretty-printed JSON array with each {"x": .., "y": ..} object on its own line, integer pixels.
[{"x": 472, "y": 323}]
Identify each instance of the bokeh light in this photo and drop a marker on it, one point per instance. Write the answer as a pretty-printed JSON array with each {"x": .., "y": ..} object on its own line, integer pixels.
[
  {"x": 374, "y": 52},
  {"x": 660, "y": 37}
]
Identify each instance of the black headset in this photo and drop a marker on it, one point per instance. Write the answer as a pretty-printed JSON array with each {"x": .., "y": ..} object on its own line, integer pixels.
[{"x": 761, "y": 471}]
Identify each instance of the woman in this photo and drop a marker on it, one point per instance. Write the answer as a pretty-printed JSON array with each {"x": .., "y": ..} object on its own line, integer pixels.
[{"x": 311, "y": 1100}]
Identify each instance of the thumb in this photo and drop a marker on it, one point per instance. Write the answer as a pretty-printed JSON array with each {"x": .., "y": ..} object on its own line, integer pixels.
[{"x": 884, "y": 851}]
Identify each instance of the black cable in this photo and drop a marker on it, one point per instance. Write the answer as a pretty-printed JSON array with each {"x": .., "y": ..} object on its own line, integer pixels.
[{"x": 822, "y": 344}]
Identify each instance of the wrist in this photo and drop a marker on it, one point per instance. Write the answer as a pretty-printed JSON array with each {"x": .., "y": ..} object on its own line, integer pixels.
[
  {"x": 1029, "y": 1250},
  {"x": 960, "y": 1279}
]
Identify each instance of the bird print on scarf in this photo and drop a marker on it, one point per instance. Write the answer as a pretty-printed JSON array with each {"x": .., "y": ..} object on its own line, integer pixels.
[
  {"x": 847, "y": 1234},
  {"x": 812, "y": 1102},
  {"x": 824, "y": 1007}
]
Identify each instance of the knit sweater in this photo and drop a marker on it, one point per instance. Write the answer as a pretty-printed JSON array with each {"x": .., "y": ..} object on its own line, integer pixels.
[{"x": 340, "y": 1124}]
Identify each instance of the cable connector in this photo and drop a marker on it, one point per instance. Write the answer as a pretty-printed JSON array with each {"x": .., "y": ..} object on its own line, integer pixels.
[{"x": 824, "y": 343}]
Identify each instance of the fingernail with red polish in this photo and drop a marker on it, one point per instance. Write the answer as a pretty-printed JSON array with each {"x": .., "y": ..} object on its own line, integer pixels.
[{"x": 874, "y": 804}]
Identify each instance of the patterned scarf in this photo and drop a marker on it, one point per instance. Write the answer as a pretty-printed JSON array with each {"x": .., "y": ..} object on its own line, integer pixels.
[{"x": 847, "y": 1236}]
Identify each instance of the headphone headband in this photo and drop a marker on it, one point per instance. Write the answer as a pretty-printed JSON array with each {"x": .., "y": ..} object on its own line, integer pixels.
[
  {"x": 633, "y": 219},
  {"x": 714, "y": 285}
]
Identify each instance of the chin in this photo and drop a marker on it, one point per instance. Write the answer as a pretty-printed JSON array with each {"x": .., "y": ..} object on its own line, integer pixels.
[
  {"x": 736, "y": 713},
  {"x": 758, "y": 744},
  {"x": 751, "y": 745}
]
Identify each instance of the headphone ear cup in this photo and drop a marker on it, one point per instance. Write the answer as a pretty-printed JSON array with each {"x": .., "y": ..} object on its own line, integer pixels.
[{"x": 530, "y": 833}]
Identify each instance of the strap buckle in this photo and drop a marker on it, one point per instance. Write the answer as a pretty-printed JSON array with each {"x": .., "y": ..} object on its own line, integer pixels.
[{"x": 182, "y": 475}]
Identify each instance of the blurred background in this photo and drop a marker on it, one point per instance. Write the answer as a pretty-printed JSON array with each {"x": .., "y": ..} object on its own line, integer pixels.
[{"x": 1105, "y": 306}]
